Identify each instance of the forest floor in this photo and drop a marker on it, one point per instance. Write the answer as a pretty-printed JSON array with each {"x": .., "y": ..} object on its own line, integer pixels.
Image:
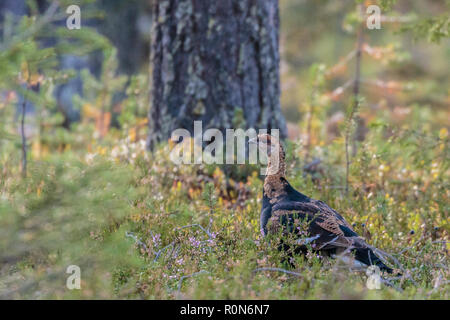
[{"x": 139, "y": 226}]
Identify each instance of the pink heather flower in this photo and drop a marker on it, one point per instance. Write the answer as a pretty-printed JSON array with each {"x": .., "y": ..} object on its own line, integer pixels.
[
  {"x": 194, "y": 242},
  {"x": 156, "y": 239}
]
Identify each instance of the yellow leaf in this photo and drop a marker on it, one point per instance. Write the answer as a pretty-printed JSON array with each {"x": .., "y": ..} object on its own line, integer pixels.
[
  {"x": 142, "y": 121},
  {"x": 36, "y": 150},
  {"x": 132, "y": 134},
  {"x": 24, "y": 73},
  {"x": 89, "y": 111},
  {"x": 35, "y": 79}
]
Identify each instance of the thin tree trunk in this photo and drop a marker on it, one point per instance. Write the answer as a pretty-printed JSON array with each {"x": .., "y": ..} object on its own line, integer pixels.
[
  {"x": 214, "y": 61},
  {"x": 360, "y": 131},
  {"x": 24, "y": 138},
  {"x": 355, "y": 103}
]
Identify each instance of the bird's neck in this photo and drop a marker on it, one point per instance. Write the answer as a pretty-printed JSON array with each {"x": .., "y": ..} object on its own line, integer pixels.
[
  {"x": 274, "y": 182},
  {"x": 276, "y": 166}
]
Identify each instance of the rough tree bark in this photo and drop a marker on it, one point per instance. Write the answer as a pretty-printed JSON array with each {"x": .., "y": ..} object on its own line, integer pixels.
[{"x": 214, "y": 61}]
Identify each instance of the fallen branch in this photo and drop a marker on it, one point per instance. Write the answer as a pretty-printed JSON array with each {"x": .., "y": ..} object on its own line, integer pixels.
[{"x": 383, "y": 254}]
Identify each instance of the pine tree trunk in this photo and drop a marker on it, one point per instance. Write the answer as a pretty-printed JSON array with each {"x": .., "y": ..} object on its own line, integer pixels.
[{"x": 214, "y": 61}]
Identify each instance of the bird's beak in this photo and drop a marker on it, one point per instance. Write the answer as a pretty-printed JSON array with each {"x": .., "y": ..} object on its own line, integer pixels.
[{"x": 253, "y": 141}]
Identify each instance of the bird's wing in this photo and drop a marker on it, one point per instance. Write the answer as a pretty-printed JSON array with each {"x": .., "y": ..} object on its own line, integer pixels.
[
  {"x": 330, "y": 220},
  {"x": 326, "y": 227},
  {"x": 288, "y": 215}
]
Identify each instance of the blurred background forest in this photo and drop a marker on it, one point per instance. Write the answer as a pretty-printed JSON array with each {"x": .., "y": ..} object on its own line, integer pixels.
[{"x": 367, "y": 120}]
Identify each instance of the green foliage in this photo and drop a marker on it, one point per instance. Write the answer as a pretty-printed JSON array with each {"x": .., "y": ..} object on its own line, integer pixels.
[
  {"x": 96, "y": 101},
  {"x": 136, "y": 230},
  {"x": 432, "y": 29},
  {"x": 140, "y": 226},
  {"x": 387, "y": 5},
  {"x": 66, "y": 213},
  {"x": 135, "y": 106}
]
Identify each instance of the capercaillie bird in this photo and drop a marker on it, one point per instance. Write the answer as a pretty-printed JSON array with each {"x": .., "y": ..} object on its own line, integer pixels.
[{"x": 283, "y": 207}]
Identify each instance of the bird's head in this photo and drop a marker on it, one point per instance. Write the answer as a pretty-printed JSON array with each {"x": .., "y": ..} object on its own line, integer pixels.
[
  {"x": 267, "y": 143},
  {"x": 271, "y": 148}
]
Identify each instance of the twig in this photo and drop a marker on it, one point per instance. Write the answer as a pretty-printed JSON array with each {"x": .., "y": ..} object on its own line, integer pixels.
[
  {"x": 136, "y": 239},
  {"x": 180, "y": 282},
  {"x": 393, "y": 19},
  {"x": 158, "y": 254},
  {"x": 279, "y": 270},
  {"x": 339, "y": 90},
  {"x": 195, "y": 225},
  {"x": 437, "y": 284},
  {"x": 413, "y": 246},
  {"x": 24, "y": 139},
  {"x": 312, "y": 164},
  {"x": 343, "y": 61},
  {"x": 382, "y": 254},
  {"x": 390, "y": 284},
  {"x": 143, "y": 245},
  {"x": 328, "y": 242},
  {"x": 425, "y": 246},
  {"x": 303, "y": 241}
]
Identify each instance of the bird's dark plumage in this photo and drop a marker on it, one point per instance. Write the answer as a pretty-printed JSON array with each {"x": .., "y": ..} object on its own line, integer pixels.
[{"x": 312, "y": 222}]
